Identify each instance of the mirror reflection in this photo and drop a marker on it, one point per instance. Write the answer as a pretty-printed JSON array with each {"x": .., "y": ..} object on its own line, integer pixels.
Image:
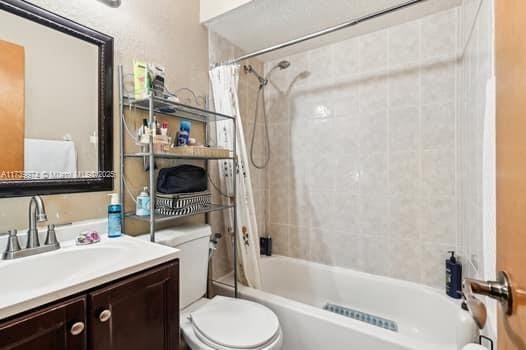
[{"x": 48, "y": 102}]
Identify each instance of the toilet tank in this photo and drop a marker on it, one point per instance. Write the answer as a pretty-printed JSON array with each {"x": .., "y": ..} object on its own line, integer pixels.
[{"x": 192, "y": 241}]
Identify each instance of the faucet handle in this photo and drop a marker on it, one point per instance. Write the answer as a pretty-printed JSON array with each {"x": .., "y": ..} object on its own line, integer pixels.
[
  {"x": 500, "y": 290},
  {"x": 13, "y": 245},
  {"x": 51, "y": 236}
]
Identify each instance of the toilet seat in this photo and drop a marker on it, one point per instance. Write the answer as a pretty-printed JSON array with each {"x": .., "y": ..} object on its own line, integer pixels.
[{"x": 232, "y": 324}]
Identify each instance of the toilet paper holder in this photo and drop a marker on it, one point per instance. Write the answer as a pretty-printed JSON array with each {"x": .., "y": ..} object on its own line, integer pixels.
[{"x": 499, "y": 290}]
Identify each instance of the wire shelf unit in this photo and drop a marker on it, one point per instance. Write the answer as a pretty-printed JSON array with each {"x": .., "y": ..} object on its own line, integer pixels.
[
  {"x": 162, "y": 218},
  {"x": 167, "y": 108},
  {"x": 174, "y": 156}
]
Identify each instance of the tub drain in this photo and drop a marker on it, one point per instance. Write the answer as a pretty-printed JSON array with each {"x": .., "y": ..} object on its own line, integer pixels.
[{"x": 362, "y": 316}]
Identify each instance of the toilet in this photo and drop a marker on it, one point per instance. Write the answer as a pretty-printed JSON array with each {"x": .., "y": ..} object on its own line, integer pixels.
[{"x": 220, "y": 323}]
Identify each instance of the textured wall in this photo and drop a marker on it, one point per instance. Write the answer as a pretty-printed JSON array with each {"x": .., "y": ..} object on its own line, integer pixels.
[
  {"x": 363, "y": 173},
  {"x": 166, "y": 32},
  {"x": 213, "y": 8}
]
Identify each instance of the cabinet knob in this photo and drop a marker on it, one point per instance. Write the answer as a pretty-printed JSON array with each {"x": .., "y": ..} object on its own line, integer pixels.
[
  {"x": 77, "y": 328},
  {"x": 105, "y": 315}
]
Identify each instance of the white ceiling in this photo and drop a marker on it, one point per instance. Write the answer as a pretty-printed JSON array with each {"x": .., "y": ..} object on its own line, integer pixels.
[{"x": 263, "y": 23}]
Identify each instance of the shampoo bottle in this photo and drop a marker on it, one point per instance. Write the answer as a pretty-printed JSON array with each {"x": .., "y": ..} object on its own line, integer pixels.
[
  {"x": 453, "y": 277},
  {"x": 114, "y": 216},
  {"x": 184, "y": 133}
]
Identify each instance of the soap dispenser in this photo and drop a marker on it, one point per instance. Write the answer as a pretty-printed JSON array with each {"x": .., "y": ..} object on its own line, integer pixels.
[
  {"x": 143, "y": 203},
  {"x": 453, "y": 277}
]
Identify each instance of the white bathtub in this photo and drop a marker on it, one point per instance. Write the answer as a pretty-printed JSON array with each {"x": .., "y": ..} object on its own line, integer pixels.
[{"x": 297, "y": 290}]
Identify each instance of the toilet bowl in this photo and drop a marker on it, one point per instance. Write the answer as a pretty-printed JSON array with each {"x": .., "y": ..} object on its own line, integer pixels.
[
  {"x": 226, "y": 324},
  {"x": 220, "y": 323}
]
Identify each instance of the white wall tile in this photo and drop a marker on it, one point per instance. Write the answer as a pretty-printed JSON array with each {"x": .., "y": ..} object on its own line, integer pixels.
[
  {"x": 321, "y": 65},
  {"x": 373, "y": 52},
  {"x": 300, "y": 208},
  {"x": 300, "y": 241},
  {"x": 438, "y": 82},
  {"x": 404, "y": 173},
  {"x": 320, "y": 249},
  {"x": 279, "y": 202},
  {"x": 349, "y": 173},
  {"x": 438, "y": 126},
  {"x": 323, "y": 206},
  {"x": 278, "y": 107},
  {"x": 376, "y": 255},
  {"x": 374, "y": 131},
  {"x": 406, "y": 256},
  {"x": 348, "y": 251},
  {"x": 404, "y": 129},
  {"x": 346, "y": 212},
  {"x": 369, "y": 181},
  {"x": 374, "y": 218},
  {"x": 404, "y": 216},
  {"x": 346, "y": 59},
  {"x": 439, "y": 220},
  {"x": 404, "y": 45},
  {"x": 404, "y": 87},
  {"x": 441, "y": 31},
  {"x": 280, "y": 239},
  {"x": 345, "y": 99},
  {"x": 438, "y": 172},
  {"x": 373, "y": 94},
  {"x": 374, "y": 174}
]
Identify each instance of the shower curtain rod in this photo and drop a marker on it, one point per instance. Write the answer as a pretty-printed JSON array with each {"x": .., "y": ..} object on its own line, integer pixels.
[{"x": 322, "y": 32}]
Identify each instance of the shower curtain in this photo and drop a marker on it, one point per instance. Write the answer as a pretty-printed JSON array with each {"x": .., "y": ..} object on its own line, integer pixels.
[{"x": 225, "y": 80}]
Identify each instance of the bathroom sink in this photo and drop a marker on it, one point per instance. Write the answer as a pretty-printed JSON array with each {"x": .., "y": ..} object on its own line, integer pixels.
[
  {"x": 46, "y": 270},
  {"x": 35, "y": 280}
]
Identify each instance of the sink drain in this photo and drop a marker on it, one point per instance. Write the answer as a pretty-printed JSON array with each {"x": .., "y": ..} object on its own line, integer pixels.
[{"x": 362, "y": 316}]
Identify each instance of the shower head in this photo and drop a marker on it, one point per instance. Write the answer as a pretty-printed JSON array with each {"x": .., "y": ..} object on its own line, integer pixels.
[
  {"x": 283, "y": 65},
  {"x": 263, "y": 81}
]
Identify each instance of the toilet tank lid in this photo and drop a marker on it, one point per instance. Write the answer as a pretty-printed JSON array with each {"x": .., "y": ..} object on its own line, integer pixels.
[{"x": 177, "y": 235}]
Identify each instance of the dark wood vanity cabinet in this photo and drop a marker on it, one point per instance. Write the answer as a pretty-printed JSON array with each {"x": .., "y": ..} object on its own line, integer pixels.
[
  {"x": 140, "y": 312},
  {"x": 58, "y": 327}
]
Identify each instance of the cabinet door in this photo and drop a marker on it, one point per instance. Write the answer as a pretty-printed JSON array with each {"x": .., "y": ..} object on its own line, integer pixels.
[
  {"x": 138, "y": 313},
  {"x": 58, "y": 327}
]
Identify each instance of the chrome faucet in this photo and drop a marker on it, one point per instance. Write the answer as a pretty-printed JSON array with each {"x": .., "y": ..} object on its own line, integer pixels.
[{"x": 37, "y": 213}]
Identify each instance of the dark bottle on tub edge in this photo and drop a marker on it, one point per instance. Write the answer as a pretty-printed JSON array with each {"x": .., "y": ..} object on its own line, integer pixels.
[
  {"x": 265, "y": 246},
  {"x": 453, "y": 277}
]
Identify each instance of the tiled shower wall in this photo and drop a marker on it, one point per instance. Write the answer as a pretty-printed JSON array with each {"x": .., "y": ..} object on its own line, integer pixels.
[
  {"x": 364, "y": 144},
  {"x": 377, "y": 147}
]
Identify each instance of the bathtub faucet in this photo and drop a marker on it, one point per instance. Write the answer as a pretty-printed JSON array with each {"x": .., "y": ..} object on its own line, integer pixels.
[{"x": 499, "y": 290}]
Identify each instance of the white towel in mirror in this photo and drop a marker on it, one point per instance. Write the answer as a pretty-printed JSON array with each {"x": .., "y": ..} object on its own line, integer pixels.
[{"x": 50, "y": 156}]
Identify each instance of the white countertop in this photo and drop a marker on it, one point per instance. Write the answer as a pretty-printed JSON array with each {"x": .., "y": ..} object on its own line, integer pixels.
[{"x": 30, "y": 282}]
